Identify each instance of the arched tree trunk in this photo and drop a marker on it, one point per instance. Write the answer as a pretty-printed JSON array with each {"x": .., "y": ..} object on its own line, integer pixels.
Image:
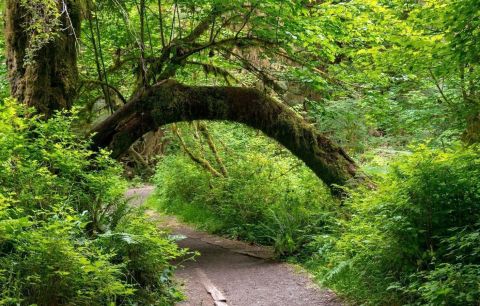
[
  {"x": 170, "y": 102},
  {"x": 42, "y": 74}
]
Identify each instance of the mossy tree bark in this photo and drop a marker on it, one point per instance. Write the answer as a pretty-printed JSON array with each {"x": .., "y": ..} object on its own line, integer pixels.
[
  {"x": 47, "y": 81},
  {"x": 170, "y": 102}
]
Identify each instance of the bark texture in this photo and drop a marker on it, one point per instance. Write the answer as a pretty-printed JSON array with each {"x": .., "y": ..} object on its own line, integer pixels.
[
  {"x": 472, "y": 133},
  {"x": 47, "y": 83},
  {"x": 170, "y": 102}
]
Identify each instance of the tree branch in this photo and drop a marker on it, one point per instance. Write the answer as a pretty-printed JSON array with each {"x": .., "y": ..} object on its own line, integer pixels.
[
  {"x": 201, "y": 161},
  {"x": 440, "y": 90},
  {"x": 119, "y": 94},
  {"x": 216, "y": 71},
  {"x": 170, "y": 102},
  {"x": 202, "y": 126}
]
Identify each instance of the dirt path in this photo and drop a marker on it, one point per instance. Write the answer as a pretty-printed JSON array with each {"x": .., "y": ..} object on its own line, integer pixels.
[{"x": 235, "y": 273}]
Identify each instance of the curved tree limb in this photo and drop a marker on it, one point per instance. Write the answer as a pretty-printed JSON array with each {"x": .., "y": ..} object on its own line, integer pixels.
[{"x": 170, "y": 102}]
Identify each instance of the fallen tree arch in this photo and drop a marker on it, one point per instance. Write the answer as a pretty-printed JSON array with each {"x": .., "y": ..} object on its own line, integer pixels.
[{"x": 170, "y": 102}]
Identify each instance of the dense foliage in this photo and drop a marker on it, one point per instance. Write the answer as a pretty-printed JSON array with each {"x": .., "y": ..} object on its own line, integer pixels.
[
  {"x": 415, "y": 239},
  {"x": 412, "y": 240},
  {"x": 394, "y": 82},
  {"x": 66, "y": 233},
  {"x": 268, "y": 196}
]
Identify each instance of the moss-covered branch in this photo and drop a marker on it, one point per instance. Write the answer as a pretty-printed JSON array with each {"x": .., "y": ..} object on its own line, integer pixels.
[{"x": 170, "y": 102}]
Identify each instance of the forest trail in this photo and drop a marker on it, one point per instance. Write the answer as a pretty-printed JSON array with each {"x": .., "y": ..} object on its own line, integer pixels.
[{"x": 236, "y": 273}]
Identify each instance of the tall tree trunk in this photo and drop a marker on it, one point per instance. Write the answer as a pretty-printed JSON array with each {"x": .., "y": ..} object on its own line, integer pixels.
[
  {"x": 46, "y": 81},
  {"x": 170, "y": 102}
]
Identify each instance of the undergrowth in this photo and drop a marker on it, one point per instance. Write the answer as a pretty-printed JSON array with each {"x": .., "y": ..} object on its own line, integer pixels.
[
  {"x": 267, "y": 198},
  {"x": 414, "y": 240},
  {"x": 67, "y": 236}
]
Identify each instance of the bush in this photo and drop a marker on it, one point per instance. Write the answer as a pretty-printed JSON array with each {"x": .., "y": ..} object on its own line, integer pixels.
[
  {"x": 146, "y": 256},
  {"x": 453, "y": 278},
  {"x": 47, "y": 263},
  {"x": 62, "y": 210},
  {"x": 414, "y": 239}
]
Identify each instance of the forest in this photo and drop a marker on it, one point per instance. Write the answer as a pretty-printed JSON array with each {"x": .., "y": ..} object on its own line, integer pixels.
[{"x": 343, "y": 134}]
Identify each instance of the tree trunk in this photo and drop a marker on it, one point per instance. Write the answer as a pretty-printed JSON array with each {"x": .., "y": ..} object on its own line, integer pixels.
[
  {"x": 170, "y": 102},
  {"x": 472, "y": 133},
  {"x": 46, "y": 81}
]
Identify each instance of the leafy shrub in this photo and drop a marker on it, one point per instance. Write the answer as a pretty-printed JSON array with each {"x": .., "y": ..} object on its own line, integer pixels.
[
  {"x": 414, "y": 239},
  {"x": 146, "y": 256},
  {"x": 50, "y": 262},
  {"x": 453, "y": 278},
  {"x": 61, "y": 211}
]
